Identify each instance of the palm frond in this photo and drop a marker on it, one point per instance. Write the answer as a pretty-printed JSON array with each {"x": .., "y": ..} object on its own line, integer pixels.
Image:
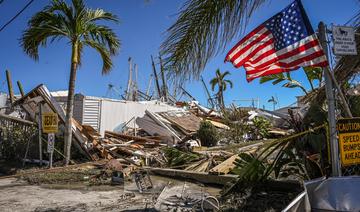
[
  {"x": 213, "y": 83},
  {"x": 39, "y": 36},
  {"x": 229, "y": 82},
  {"x": 103, "y": 35},
  {"x": 99, "y": 14},
  {"x": 104, "y": 53},
  {"x": 271, "y": 77},
  {"x": 202, "y": 29}
]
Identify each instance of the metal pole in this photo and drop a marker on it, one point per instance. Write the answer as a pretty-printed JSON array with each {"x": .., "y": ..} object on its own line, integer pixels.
[
  {"x": 52, "y": 135},
  {"x": 334, "y": 146},
  {"x": 40, "y": 132},
  {"x": 156, "y": 78}
]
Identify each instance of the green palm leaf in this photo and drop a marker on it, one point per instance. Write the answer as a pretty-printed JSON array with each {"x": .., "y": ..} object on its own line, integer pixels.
[{"x": 203, "y": 28}]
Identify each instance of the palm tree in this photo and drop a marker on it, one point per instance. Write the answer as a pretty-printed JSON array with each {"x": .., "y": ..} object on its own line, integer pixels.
[
  {"x": 220, "y": 81},
  {"x": 79, "y": 26},
  {"x": 203, "y": 28}
]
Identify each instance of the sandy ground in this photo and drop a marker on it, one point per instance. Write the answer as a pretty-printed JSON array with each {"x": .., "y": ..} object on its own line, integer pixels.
[{"x": 19, "y": 196}]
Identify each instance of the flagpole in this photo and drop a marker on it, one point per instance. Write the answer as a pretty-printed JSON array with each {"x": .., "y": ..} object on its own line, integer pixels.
[{"x": 334, "y": 146}]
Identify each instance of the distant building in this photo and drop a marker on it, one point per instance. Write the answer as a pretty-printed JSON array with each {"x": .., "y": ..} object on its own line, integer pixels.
[{"x": 108, "y": 114}]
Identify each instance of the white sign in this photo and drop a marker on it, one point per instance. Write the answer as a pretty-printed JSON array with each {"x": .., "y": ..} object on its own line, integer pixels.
[
  {"x": 344, "y": 40},
  {"x": 51, "y": 142}
]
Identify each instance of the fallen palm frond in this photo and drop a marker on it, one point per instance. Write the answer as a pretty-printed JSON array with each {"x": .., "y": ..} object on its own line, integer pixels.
[
  {"x": 255, "y": 168},
  {"x": 177, "y": 158}
]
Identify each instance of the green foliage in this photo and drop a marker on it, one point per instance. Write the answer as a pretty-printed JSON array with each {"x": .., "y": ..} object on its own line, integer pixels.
[
  {"x": 354, "y": 104},
  {"x": 176, "y": 157},
  {"x": 283, "y": 77},
  {"x": 277, "y": 159},
  {"x": 312, "y": 74},
  {"x": 250, "y": 168},
  {"x": 14, "y": 139},
  {"x": 260, "y": 128},
  {"x": 202, "y": 28},
  {"x": 207, "y": 134},
  {"x": 236, "y": 119},
  {"x": 76, "y": 23}
]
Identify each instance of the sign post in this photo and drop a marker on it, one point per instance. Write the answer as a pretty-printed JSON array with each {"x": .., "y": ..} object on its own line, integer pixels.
[
  {"x": 349, "y": 141},
  {"x": 344, "y": 40},
  {"x": 50, "y": 147},
  {"x": 50, "y": 126},
  {"x": 334, "y": 147}
]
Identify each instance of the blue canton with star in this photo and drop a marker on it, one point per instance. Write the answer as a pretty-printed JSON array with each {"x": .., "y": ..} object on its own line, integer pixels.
[{"x": 289, "y": 26}]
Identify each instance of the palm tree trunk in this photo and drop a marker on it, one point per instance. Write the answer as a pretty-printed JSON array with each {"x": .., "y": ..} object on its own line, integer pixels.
[{"x": 70, "y": 104}]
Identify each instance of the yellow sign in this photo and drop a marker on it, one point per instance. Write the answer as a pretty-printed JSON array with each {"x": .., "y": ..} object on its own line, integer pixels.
[
  {"x": 49, "y": 122},
  {"x": 349, "y": 141}
]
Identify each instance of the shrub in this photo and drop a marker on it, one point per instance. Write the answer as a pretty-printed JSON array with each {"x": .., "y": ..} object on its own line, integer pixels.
[
  {"x": 260, "y": 128},
  {"x": 207, "y": 134}
]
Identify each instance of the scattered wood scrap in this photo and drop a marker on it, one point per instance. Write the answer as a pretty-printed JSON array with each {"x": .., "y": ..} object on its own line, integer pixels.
[{"x": 225, "y": 167}]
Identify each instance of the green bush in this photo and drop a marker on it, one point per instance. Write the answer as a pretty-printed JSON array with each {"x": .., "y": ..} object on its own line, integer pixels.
[
  {"x": 207, "y": 134},
  {"x": 260, "y": 128}
]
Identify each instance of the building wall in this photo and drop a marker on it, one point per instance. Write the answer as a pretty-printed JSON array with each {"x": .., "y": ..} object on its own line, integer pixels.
[
  {"x": 91, "y": 112},
  {"x": 114, "y": 114},
  {"x": 110, "y": 114}
]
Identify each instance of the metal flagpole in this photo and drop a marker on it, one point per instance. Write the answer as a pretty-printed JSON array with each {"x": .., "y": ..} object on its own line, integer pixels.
[{"x": 334, "y": 146}]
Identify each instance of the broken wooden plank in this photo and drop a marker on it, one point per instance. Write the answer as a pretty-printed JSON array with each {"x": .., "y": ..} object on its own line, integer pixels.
[
  {"x": 18, "y": 120},
  {"x": 226, "y": 166},
  {"x": 29, "y": 103},
  {"x": 109, "y": 134}
]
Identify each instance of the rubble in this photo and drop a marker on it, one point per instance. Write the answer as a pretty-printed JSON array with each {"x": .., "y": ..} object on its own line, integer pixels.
[{"x": 159, "y": 143}]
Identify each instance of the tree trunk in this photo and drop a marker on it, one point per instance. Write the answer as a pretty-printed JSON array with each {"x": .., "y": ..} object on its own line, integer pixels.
[{"x": 70, "y": 104}]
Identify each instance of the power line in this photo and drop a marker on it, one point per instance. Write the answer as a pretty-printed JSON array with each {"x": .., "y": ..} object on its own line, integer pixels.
[{"x": 11, "y": 20}]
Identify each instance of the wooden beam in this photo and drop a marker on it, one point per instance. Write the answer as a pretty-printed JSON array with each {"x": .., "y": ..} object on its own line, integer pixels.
[
  {"x": 20, "y": 88},
  {"x": 109, "y": 134},
  {"x": 10, "y": 87}
]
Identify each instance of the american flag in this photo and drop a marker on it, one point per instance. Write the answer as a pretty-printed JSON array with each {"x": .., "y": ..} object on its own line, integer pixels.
[{"x": 283, "y": 43}]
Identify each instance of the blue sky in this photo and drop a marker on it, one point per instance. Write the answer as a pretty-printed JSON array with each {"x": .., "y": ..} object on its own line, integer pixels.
[{"x": 141, "y": 31}]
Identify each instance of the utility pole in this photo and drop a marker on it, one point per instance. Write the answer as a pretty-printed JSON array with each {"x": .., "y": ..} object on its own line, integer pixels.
[
  {"x": 164, "y": 87},
  {"x": 188, "y": 94},
  {"x": 210, "y": 100},
  {"x": 135, "y": 86},
  {"x": 334, "y": 146},
  {"x": 156, "y": 77},
  {"x": 40, "y": 132},
  {"x": 149, "y": 85},
  {"x": 128, "y": 92}
]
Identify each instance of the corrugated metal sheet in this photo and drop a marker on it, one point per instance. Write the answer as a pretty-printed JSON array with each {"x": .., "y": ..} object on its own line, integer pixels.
[{"x": 91, "y": 114}]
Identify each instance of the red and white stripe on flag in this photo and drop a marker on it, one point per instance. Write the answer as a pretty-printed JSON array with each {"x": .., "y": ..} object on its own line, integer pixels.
[{"x": 283, "y": 43}]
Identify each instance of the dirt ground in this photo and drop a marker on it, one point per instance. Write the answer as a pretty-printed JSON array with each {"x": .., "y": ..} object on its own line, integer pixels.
[{"x": 17, "y": 195}]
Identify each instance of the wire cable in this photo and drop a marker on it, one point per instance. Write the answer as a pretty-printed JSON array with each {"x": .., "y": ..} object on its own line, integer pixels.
[{"x": 19, "y": 13}]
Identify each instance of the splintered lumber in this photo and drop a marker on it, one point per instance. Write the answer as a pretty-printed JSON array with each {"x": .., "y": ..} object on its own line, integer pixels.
[
  {"x": 17, "y": 120},
  {"x": 109, "y": 134},
  {"x": 226, "y": 166},
  {"x": 29, "y": 103},
  {"x": 200, "y": 166},
  {"x": 202, "y": 177}
]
